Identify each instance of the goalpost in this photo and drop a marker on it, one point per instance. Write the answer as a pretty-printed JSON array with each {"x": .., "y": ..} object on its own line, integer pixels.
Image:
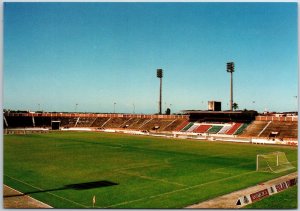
[{"x": 273, "y": 162}]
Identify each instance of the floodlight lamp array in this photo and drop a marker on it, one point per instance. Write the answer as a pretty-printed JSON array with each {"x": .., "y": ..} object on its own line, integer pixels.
[
  {"x": 230, "y": 67},
  {"x": 159, "y": 73}
]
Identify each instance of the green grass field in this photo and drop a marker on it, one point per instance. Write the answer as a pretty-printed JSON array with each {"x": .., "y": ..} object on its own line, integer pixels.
[{"x": 144, "y": 172}]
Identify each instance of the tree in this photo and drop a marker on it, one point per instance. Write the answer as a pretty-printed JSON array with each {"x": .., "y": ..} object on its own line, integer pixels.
[
  {"x": 235, "y": 106},
  {"x": 168, "y": 111}
]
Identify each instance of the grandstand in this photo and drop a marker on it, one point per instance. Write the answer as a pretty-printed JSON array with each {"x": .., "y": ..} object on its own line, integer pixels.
[
  {"x": 272, "y": 129},
  {"x": 245, "y": 125}
]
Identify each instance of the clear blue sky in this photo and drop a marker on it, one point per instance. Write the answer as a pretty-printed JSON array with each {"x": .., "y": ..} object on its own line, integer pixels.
[{"x": 57, "y": 55}]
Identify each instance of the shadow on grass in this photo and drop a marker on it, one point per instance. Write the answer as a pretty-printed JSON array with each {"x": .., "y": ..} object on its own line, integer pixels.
[{"x": 78, "y": 186}]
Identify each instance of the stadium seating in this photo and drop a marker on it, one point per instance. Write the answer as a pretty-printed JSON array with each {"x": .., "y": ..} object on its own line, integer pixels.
[
  {"x": 182, "y": 125},
  {"x": 187, "y": 127},
  {"x": 174, "y": 124},
  {"x": 254, "y": 129},
  {"x": 156, "y": 124},
  {"x": 233, "y": 129},
  {"x": 224, "y": 129},
  {"x": 99, "y": 121},
  {"x": 42, "y": 121},
  {"x": 85, "y": 122},
  {"x": 284, "y": 129},
  {"x": 19, "y": 121},
  {"x": 214, "y": 129},
  {"x": 241, "y": 129},
  {"x": 115, "y": 122},
  {"x": 138, "y": 123},
  {"x": 68, "y": 121},
  {"x": 193, "y": 127},
  {"x": 202, "y": 128},
  {"x": 259, "y": 128}
]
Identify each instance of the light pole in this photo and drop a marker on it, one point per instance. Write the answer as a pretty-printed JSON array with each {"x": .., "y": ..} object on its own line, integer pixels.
[
  {"x": 253, "y": 103},
  {"x": 133, "y": 108},
  {"x": 159, "y": 75},
  {"x": 115, "y": 107},
  {"x": 230, "y": 69},
  {"x": 76, "y": 105},
  {"x": 296, "y": 97}
]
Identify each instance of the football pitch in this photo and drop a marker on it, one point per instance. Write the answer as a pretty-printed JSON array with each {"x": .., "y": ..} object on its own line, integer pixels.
[{"x": 67, "y": 169}]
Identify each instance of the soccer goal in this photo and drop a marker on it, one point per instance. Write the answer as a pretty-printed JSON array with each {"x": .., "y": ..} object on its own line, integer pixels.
[{"x": 273, "y": 162}]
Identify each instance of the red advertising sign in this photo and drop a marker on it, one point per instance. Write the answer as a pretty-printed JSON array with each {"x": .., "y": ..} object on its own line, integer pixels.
[
  {"x": 291, "y": 182},
  {"x": 280, "y": 187},
  {"x": 259, "y": 195}
]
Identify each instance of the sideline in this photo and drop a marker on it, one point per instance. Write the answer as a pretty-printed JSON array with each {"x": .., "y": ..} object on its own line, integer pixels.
[
  {"x": 20, "y": 201},
  {"x": 228, "y": 201},
  {"x": 177, "y": 190},
  {"x": 65, "y": 199}
]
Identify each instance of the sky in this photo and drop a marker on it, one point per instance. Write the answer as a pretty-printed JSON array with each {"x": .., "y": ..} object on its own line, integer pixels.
[{"x": 103, "y": 57}]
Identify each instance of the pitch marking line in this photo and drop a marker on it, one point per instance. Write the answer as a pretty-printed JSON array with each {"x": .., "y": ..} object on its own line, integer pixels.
[
  {"x": 151, "y": 178},
  {"x": 179, "y": 190},
  {"x": 46, "y": 205},
  {"x": 138, "y": 166},
  {"x": 217, "y": 169},
  {"x": 167, "y": 161},
  {"x": 46, "y": 192}
]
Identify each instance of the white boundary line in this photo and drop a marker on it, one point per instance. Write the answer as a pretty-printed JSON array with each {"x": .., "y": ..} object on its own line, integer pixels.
[
  {"x": 178, "y": 190},
  {"x": 46, "y": 205},
  {"x": 45, "y": 192},
  {"x": 152, "y": 178}
]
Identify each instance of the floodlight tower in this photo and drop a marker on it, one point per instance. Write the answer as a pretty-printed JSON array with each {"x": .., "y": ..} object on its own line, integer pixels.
[
  {"x": 159, "y": 75},
  {"x": 230, "y": 69}
]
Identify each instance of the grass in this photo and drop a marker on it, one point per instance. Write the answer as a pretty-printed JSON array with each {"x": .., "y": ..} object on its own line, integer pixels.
[
  {"x": 283, "y": 200},
  {"x": 150, "y": 172}
]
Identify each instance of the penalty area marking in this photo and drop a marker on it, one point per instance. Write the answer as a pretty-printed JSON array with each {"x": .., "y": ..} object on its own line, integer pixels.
[
  {"x": 25, "y": 183},
  {"x": 151, "y": 178},
  {"x": 167, "y": 161}
]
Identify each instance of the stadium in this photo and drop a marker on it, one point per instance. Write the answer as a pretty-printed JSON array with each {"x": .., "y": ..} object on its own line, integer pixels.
[
  {"x": 105, "y": 58},
  {"x": 155, "y": 150}
]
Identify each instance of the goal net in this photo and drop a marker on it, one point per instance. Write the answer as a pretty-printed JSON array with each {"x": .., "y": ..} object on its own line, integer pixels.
[{"x": 273, "y": 162}]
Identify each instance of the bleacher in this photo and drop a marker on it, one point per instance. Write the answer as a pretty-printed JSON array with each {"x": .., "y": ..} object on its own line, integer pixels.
[
  {"x": 67, "y": 121},
  {"x": 241, "y": 129},
  {"x": 233, "y": 129},
  {"x": 214, "y": 129},
  {"x": 182, "y": 125},
  {"x": 265, "y": 129},
  {"x": 115, "y": 122},
  {"x": 174, "y": 124},
  {"x": 99, "y": 122},
  {"x": 224, "y": 129},
  {"x": 85, "y": 122},
  {"x": 202, "y": 128},
  {"x": 156, "y": 124},
  {"x": 193, "y": 127},
  {"x": 282, "y": 129},
  {"x": 254, "y": 129},
  {"x": 19, "y": 121},
  {"x": 42, "y": 121},
  {"x": 187, "y": 127},
  {"x": 262, "y": 127},
  {"x": 138, "y": 123}
]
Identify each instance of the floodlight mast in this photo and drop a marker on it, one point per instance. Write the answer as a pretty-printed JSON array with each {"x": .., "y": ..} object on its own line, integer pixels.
[
  {"x": 159, "y": 75},
  {"x": 230, "y": 69}
]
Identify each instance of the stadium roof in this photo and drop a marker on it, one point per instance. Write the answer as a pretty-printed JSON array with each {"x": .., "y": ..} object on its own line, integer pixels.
[{"x": 215, "y": 112}]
